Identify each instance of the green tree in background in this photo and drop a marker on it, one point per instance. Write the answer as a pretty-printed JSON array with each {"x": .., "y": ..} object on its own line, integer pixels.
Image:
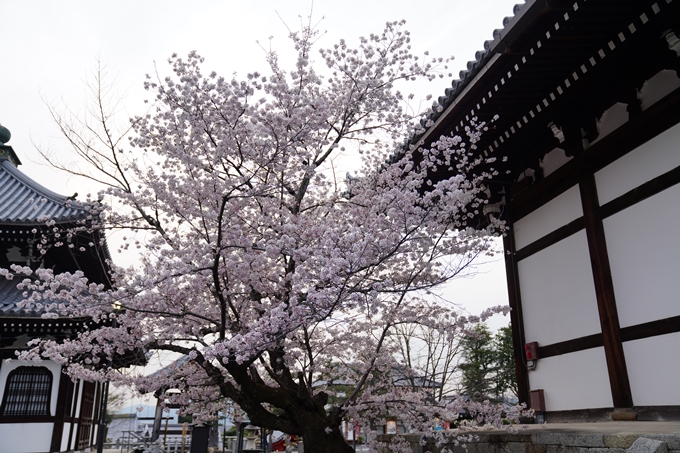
[
  {"x": 505, "y": 379},
  {"x": 488, "y": 369},
  {"x": 478, "y": 363}
]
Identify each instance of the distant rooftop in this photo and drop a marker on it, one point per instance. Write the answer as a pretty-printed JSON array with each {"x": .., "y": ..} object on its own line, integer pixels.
[{"x": 25, "y": 202}]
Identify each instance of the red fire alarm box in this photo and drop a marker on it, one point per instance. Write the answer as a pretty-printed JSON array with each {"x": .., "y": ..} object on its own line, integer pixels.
[
  {"x": 531, "y": 350},
  {"x": 537, "y": 400}
]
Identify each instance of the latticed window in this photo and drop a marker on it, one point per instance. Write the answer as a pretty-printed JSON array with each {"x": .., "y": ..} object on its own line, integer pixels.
[{"x": 27, "y": 392}]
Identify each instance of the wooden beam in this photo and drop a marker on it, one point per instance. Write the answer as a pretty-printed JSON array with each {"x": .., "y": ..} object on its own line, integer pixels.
[
  {"x": 637, "y": 332},
  {"x": 12, "y": 419},
  {"x": 569, "y": 346},
  {"x": 61, "y": 411},
  {"x": 604, "y": 291},
  {"x": 652, "y": 122},
  {"x": 630, "y": 198},
  {"x": 642, "y": 192},
  {"x": 516, "y": 321},
  {"x": 550, "y": 239},
  {"x": 651, "y": 329}
]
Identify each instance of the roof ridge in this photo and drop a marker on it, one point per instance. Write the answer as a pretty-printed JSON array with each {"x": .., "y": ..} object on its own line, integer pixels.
[
  {"x": 25, "y": 201},
  {"x": 32, "y": 184}
]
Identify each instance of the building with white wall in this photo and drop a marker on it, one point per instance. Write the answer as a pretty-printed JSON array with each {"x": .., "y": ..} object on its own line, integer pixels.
[
  {"x": 41, "y": 409},
  {"x": 585, "y": 158}
]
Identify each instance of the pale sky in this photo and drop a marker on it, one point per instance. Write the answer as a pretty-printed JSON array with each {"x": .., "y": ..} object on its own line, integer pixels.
[{"x": 49, "y": 48}]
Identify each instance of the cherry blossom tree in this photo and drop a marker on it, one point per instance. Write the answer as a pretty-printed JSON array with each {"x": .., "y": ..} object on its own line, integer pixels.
[{"x": 269, "y": 274}]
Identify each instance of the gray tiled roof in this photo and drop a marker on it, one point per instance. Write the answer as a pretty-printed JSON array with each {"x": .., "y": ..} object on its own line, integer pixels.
[
  {"x": 10, "y": 296},
  {"x": 466, "y": 76},
  {"x": 25, "y": 202}
]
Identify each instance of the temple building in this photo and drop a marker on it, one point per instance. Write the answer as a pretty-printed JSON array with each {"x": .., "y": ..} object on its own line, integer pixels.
[
  {"x": 585, "y": 161},
  {"x": 42, "y": 409}
]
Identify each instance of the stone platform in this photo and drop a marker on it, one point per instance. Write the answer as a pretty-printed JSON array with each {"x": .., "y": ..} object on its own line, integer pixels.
[{"x": 600, "y": 437}]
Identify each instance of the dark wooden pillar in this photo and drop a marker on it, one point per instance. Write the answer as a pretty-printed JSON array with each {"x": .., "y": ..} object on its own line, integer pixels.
[
  {"x": 64, "y": 394},
  {"x": 516, "y": 320},
  {"x": 604, "y": 291}
]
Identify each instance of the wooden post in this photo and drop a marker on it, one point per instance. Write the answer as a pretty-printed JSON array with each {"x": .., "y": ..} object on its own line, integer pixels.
[
  {"x": 516, "y": 320},
  {"x": 165, "y": 434},
  {"x": 604, "y": 291},
  {"x": 184, "y": 434},
  {"x": 63, "y": 404}
]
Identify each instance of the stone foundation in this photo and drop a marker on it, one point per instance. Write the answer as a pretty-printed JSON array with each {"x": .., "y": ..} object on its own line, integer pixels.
[{"x": 606, "y": 437}]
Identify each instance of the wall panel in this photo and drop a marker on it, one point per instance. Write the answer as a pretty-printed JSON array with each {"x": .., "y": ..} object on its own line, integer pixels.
[
  {"x": 573, "y": 381},
  {"x": 549, "y": 217},
  {"x": 558, "y": 294},
  {"x": 644, "y": 257},
  {"x": 25, "y": 437},
  {"x": 657, "y": 156},
  {"x": 654, "y": 370}
]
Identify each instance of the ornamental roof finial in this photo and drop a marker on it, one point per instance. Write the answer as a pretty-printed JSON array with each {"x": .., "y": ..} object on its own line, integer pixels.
[{"x": 5, "y": 135}]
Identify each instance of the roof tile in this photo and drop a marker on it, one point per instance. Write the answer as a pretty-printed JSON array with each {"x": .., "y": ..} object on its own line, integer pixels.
[{"x": 25, "y": 202}]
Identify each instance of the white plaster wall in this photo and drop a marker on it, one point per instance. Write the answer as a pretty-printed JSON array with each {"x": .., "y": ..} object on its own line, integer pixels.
[
  {"x": 74, "y": 399},
  {"x": 658, "y": 87},
  {"x": 558, "y": 293},
  {"x": 654, "y": 370},
  {"x": 644, "y": 255},
  {"x": 578, "y": 380},
  {"x": 25, "y": 437},
  {"x": 556, "y": 213},
  {"x": 74, "y": 436},
  {"x": 651, "y": 159},
  {"x": 54, "y": 367},
  {"x": 612, "y": 118},
  {"x": 554, "y": 160},
  {"x": 95, "y": 430},
  {"x": 64, "y": 436},
  {"x": 79, "y": 396}
]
